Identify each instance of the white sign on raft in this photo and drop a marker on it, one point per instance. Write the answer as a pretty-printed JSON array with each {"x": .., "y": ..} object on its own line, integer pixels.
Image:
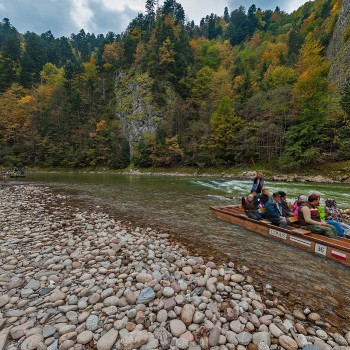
[
  {"x": 300, "y": 241},
  {"x": 320, "y": 249},
  {"x": 278, "y": 234}
]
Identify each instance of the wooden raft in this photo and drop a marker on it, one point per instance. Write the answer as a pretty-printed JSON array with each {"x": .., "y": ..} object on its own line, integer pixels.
[{"x": 335, "y": 249}]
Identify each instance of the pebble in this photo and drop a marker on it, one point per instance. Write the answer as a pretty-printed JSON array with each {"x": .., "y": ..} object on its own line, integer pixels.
[
  {"x": 107, "y": 341},
  {"x": 92, "y": 322},
  {"x": 134, "y": 340},
  {"x": 287, "y": 342},
  {"x": 85, "y": 337},
  {"x": 177, "y": 327}
]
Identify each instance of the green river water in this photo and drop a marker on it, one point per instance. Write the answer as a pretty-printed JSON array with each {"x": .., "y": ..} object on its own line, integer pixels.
[{"x": 181, "y": 204}]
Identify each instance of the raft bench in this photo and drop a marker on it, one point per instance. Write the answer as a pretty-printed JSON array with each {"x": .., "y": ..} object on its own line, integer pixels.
[{"x": 293, "y": 219}]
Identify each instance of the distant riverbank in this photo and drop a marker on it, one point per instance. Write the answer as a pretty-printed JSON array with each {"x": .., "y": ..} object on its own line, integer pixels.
[{"x": 327, "y": 173}]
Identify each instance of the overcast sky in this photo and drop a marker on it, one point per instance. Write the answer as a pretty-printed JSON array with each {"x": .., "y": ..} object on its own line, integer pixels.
[{"x": 64, "y": 17}]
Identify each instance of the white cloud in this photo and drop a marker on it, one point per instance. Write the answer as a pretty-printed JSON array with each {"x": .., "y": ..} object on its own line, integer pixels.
[
  {"x": 294, "y": 5},
  {"x": 121, "y": 5},
  {"x": 196, "y": 10},
  {"x": 81, "y": 14}
]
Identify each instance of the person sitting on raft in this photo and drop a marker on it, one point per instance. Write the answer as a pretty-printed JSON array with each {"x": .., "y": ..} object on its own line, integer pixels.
[
  {"x": 334, "y": 214},
  {"x": 334, "y": 223},
  {"x": 250, "y": 208},
  {"x": 301, "y": 199},
  {"x": 309, "y": 217},
  {"x": 285, "y": 204},
  {"x": 258, "y": 183},
  {"x": 275, "y": 212}
]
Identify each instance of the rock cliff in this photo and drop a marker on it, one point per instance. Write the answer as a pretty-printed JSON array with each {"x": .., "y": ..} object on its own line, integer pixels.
[
  {"x": 135, "y": 107},
  {"x": 339, "y": 48}
]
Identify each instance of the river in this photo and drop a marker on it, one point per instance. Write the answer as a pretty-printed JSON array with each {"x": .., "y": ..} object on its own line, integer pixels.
[{"x": 181, "y": 204}]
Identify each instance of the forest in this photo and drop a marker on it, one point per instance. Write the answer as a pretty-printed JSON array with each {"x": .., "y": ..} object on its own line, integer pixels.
[{"x": 247, "y": 83}]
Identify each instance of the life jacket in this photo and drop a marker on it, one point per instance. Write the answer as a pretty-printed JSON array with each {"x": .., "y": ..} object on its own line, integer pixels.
[{"x": 315, "y": 215}]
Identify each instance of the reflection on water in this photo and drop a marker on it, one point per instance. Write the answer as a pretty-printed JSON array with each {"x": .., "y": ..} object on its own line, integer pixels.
[{"x": 181, "y": 204}]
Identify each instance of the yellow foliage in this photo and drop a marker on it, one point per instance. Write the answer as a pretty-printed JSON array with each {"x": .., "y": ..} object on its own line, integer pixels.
[
  {"x": 274, "y": 52},
  {"x": 112, "y": 54},
  {"x": 166, "y": 52},
  {"x": 26, "y": 100},
  {"x": 135, "y": 34}
]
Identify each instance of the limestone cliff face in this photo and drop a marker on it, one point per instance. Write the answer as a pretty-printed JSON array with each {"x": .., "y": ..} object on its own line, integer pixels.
[
  {"x": 135, "y": 107},
  {"x": 339, "y": 48}
]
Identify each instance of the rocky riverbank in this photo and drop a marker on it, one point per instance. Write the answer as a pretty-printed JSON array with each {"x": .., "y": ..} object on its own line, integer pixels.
[{"x": 73, "y": 278}]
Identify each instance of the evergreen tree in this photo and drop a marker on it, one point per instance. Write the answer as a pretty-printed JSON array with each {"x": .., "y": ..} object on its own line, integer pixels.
[
  {"x": 252, "y": 20},
  {"x": 226, "y": 15}
]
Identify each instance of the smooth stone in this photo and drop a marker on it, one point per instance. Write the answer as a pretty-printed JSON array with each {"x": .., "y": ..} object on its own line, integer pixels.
[
  {"x": 198, "y": 317},
  {"x": 321, "y": 334},
  {"x": 287, "y": 342},
  {"x": 187, "y": 313},
  {"x": 177, "y": 328},
  {"x": 32, "y": 342},
  {"x": 107, "y": 341},
  {"x": 262, "y": 337},
  {"x": 168, "y": 292},
  {"x": 146, "y": 296},
  {"x": 4, "y": 336},
  {"x": 4, "y": 299},
  {"x": 237, "y": 278},
  {"x": 92, "y": 322},
  {"x": 85, "y": 337},
  {"x": 275, "y": 331},
  {"x": 340, "y": 340},
  {"x": 214, "y": 336},
  {"x": 169, "y": 304},
  {"x": 33, "y": 284},
  {"x": 162, "y": 316},
  {"x": 144, "y": 278},
  {"x": 48, "y": 331},
  {"x": 244, "y": 338},
  {"x": 134, "y": 340},
  {"x": 56, "y": 296},
  {"x": 236, "y": 326}
]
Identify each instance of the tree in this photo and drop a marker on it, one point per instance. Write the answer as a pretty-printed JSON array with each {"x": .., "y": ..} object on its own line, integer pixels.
[
  {"x": 225, "y": 125},
  {"x": 252, "y": 20},
  {"x": 345, "y": 97},
  {"x": 226, "y": 15},
  {"x": 237, "y": 30},
  {"x": 150, "y": 10}
]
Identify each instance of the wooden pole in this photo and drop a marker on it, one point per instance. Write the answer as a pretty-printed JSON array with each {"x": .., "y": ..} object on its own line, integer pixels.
[{"x": 254, "y": 165}]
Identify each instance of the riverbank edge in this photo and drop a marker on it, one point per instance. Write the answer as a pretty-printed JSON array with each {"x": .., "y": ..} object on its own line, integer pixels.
[
  {"x": 276, "y": 312},
  {"x": 239, "y": 174}
]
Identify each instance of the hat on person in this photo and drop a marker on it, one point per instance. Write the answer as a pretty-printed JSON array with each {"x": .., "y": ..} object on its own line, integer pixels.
[{"x": 302, "y": 197}]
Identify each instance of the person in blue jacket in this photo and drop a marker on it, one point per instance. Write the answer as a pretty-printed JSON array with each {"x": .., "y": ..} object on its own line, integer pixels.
[
  {"x": 275, "y": 212},
  {"x": 258, "y": 183}
]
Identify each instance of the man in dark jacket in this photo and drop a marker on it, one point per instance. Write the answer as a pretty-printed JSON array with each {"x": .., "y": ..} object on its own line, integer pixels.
[
  {"x": 265, "y": 196},
  {"x": 275, "y": 212},
  {"x": 284, "y": 203}
]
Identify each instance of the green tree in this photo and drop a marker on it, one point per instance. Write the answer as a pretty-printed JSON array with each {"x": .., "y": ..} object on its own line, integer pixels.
[{"x": 226, "y": 126}]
